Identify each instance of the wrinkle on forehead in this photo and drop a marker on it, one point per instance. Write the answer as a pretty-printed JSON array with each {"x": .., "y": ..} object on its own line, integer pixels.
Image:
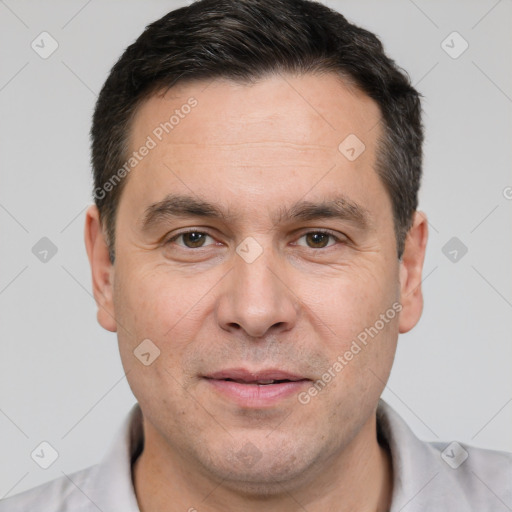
[
  {"x": 250, "y": 144},
  {"x": 297, "y": 110}
]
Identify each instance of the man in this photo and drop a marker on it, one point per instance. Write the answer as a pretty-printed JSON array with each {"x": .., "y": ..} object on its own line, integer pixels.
[{"x": 256, "y": 246}]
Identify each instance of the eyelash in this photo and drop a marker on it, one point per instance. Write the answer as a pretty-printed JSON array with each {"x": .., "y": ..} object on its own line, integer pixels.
[{"x": 315, "y": 231}]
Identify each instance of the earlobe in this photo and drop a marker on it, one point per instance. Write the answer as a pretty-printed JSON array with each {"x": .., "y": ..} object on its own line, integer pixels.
[
  {"x": 411, "y": 269},
  {"x": 102, "y": 269}
]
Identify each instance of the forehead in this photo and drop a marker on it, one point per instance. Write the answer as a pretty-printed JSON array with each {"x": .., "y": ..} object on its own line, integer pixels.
[
  {"x": 322, "y": 108},
  {"x": 224, "y": 138}
]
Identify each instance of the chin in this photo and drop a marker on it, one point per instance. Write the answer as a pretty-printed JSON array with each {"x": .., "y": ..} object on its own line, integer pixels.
[{"x": 278, "y": 468}]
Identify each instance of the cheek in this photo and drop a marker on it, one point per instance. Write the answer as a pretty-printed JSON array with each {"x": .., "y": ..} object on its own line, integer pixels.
[
  {"x": 160, "y": 306},
  {"x": 150, "y": 307},
  {"x": 361, "y": 312},
  {"x": 145, "y": 309},
  {"x": 351, "y": 300},
  {"x": 153, "y": 301}
]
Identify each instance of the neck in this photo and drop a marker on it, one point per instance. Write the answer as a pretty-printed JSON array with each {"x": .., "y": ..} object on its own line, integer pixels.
[{"x": 357, "y": 478}]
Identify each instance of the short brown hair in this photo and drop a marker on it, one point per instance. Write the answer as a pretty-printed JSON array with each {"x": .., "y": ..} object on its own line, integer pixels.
[{"x": 243, "y": 40}]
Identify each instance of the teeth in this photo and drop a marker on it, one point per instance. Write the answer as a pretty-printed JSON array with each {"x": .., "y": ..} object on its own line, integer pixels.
[{"x": 268, "y": 381}]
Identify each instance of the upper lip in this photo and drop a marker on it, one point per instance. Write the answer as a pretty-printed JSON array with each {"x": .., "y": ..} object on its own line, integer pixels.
[{"x": 243, "y": 374}]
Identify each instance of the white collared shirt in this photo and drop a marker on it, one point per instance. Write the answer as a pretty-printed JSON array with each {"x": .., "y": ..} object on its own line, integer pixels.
[{"x": 433, "y": 477}]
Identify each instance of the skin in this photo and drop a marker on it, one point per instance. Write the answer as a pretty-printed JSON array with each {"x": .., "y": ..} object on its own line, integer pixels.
[{"x": 256, "y": 149}]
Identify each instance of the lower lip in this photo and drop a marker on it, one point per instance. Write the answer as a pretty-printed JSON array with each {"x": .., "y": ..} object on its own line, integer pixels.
[{"x": 256, "y": 395}]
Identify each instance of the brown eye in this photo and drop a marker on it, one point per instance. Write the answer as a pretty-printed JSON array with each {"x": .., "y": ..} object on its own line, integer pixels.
[
  {"x": 194, "y": 239},
  {"x": 317, "y": 240},
  {"x": 190, "y": 239}
]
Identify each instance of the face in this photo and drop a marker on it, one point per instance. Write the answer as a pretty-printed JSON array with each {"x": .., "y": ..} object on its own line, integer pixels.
[{"x": 259, "y": 258}]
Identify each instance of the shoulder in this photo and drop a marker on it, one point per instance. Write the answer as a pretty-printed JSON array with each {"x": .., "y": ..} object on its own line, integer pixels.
[
  {"x": 444, "y": 476},
  {"x": 106, "y": 486},
  {"x": 483, "y": 476},
  {"x": 60, "y": 495}
]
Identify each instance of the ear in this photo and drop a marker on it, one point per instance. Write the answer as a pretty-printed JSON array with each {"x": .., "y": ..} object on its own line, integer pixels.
[
  {"x": 411, "y": 267},
  {"x": 101, "y": 268}
]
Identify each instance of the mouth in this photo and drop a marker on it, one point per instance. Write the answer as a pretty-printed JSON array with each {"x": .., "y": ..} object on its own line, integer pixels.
[
  {"x": 261, "y": 382},
  {"x": 262, "y": 377},
  {"x": 255, "y": 388}
]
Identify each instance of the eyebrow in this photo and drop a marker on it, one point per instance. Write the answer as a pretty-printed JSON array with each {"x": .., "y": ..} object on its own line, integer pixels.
[{"x": 182, "y": 206}]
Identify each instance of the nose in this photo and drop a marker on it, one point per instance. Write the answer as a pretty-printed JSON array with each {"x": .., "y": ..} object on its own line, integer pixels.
[{"x": 256, "y": 298}]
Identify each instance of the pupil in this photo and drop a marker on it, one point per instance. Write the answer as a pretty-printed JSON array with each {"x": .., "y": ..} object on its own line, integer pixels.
[
  {"x": 319, "y": 239},
  {"x": 194, "y": 238}
]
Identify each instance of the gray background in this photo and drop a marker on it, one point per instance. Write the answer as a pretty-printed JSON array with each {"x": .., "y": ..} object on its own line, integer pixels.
[{"x": 61, "y": 380}]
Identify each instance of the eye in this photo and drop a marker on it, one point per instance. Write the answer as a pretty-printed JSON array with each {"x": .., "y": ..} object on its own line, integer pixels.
[
  {"x": 318, "y": 239},
  {"x": 195, "y": 239},
  {"x": 190, "y": 239}
]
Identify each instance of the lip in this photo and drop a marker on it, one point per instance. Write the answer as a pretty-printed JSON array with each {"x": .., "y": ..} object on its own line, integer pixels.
[
  {"x": 247, "y": 393},
  {"x": 251, "y": 376}
]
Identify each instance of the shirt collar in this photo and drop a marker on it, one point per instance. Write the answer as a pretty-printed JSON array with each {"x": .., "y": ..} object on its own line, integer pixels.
[
  {"x": 111, "y": 485},
  {"x": 421, "y": 479}
]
